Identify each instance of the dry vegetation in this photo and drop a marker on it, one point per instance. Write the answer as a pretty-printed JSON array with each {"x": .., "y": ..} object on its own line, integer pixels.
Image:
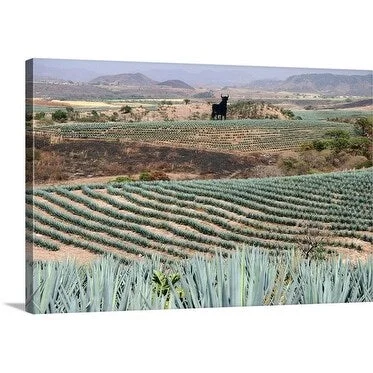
[{"x": 76, "y": 159}]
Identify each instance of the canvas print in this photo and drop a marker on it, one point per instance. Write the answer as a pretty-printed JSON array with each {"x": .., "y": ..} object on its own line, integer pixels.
[{"x": 178, "y": 186}]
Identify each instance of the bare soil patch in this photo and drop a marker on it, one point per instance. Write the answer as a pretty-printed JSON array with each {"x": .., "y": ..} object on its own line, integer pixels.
[
  {"x": 65, "y": 252},
  {"x": 94, "y": 159}
]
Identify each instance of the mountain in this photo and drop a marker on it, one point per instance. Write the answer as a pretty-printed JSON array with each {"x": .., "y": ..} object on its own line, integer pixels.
[
  {"x": 44, "y": 73},
  {"x": 128, "y": 85},
  {"x": 137, "y": 80},
  {"x": 196, "y": 75},
  {"x": 176, "y": 84},
  {"x": 266, "y": 84},
  {"x": 333, "y": 84},
  {"x": 128, "y": 79},
  {"x": 330, "y": 83}
]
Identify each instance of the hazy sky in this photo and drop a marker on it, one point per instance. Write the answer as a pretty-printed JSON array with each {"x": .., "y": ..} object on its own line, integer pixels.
[{"x": 85, "y": 70}]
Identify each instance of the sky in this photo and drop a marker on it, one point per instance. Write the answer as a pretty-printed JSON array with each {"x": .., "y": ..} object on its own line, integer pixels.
[{"x": 194, "y": 74}]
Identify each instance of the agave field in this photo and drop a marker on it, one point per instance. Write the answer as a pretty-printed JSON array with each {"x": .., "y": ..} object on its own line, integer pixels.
[
  {"x": 248, "y": 277},
  {"x": 243, "y": 135},
  {"x": 178, "y": 219},
  {"x": 323, "y": 115}
]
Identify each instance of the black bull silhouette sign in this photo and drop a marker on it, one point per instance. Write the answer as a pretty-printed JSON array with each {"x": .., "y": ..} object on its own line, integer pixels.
[{"x": 219, "y": 111}]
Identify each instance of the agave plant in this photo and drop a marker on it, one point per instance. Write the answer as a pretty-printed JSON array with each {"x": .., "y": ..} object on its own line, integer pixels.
[{"x": 247, "y": 277}]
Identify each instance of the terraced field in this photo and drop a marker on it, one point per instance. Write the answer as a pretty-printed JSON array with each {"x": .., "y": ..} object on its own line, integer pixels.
[
  {"x": 245, "y": 135},
  {"x": 177, "y": 219}
]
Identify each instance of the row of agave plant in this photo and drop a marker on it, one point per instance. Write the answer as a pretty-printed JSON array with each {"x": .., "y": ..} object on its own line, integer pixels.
[
  {"x": 248, "y": 277},
  {"x": 137, "y": 223},
  {"x": 161, "y": 210},
  {"x": 279, "y": 134},
  {"x": 270, "y": 206},
  {"x": 160, "y": 199},
  {"x": 197, "y": 124}
]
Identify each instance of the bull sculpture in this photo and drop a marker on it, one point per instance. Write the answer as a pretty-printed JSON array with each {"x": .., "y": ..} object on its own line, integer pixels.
[{"x": 219, "y": 111}]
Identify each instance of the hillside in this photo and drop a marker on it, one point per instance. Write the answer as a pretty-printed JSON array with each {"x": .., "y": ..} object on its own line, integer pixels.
[
  {"x": 258, "y": 110},
  {"x": 127, "y": 85},
  {"x": 138, "y": 80},
  {"x": 176, "y": 84},
  {"x": 228, "y": 136},
  {"x": 69, "y": 91},
  {"x": 180, "y": 219},
  {"x": 138, "y": 85},
  {"x": 331, "y": 84},
  {"x": 102, "y": 91},
  {"x": 124, "y": 79}
]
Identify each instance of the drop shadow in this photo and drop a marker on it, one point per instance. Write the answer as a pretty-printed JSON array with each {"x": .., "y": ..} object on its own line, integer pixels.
[{"x": 18, "y": 306}]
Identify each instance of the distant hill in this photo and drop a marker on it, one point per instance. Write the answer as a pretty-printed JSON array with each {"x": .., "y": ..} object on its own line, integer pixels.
[
  {"x": 351, "y": 105},
  {"x": 359, "y": 85},
  {"x": 98, "y": 91},
  {"x": 330, "y": 83},
  {"x": 44, "y": 73},
  {"x": 176, "y": 84},
  {"x": 136, "y": 79},
  {"x": 205, "y": 94}
]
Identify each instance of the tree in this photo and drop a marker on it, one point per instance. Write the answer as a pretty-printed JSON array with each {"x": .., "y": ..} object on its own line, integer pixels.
[
  {"x": 145, "y": 176},
  {"x": 126, "y": 109},
  {"x": 312, "y": 242},
  {"x": 186, "y": 100},
  {"x": 320, "y": 144},
  {"x": 70, "y": 112},
  {"x": 94, "y": 113},
  {"x": 361, "y": 146},
  {"x": 59, "y": 116},
  {"x": 364, "y": 127},
  {"x": 337, "y": 134},
  {"x": 40, "y": 115},
  {"x": 340, "y": 139},
  {"x": 340, "y": 143}
]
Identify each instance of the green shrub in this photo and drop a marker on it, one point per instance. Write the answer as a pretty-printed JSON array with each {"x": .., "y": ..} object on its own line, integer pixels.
[
  {"x": 320, "y": 144},
  {"x": 40, "y": 115},
  {"x": 126, "y": 109},
  {"x": 360, "y": 145},
  {"x": 59, "y": 116},
  {"x": 307, "y": 146},
  {"x": 288, "y": 113},
  {"x": 145, "y": 176},
  {"x": 340, "y": 143},
  {"x": 337, "y": 134},
  {"x": 364, "y": 126}
]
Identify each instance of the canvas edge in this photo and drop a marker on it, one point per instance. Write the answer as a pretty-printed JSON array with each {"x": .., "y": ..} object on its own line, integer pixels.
[{"x": 29, "y": 170}]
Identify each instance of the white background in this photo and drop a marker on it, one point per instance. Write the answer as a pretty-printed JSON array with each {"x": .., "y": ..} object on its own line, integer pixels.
[{"x": 323, "y": 338}]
